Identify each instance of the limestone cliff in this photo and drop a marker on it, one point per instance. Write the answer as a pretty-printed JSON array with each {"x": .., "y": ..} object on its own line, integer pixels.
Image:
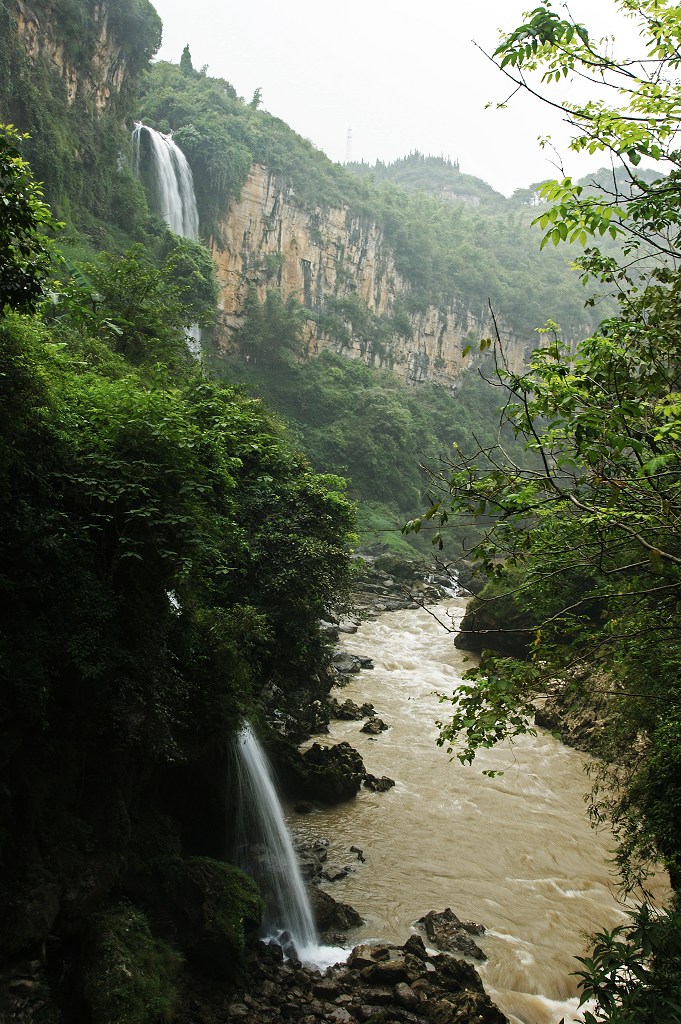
[
  {"x": 45, "y": 37},
  {"x": 91, "y": 49},
  {"x": 69, "y": 71},
  {"x": 267, "y": 239}
]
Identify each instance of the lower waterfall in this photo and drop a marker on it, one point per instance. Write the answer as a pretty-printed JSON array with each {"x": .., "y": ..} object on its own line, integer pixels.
[{"x": 263, "y": 848}]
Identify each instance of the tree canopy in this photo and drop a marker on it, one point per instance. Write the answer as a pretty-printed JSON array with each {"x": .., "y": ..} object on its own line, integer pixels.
[{"x": 24, "y": 217}]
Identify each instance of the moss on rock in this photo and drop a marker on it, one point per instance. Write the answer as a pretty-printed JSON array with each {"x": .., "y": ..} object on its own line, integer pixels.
[
  {"x": 223, "y": 907},
  {"x": 131, "y": 976}
]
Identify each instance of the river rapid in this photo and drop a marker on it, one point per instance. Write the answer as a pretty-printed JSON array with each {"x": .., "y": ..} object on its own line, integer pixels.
[{"x": 515, "y": 853}]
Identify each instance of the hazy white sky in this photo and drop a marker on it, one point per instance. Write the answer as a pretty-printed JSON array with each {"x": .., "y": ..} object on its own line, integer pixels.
[{"x": 401, "y": 74}]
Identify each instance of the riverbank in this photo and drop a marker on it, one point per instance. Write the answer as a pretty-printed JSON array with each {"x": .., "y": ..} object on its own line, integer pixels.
[
  {"x": 515, "y": 852},
  {"x": 380, "y": 984}
]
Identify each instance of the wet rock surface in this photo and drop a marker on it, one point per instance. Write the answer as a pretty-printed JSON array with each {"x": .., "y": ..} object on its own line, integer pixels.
[
  {"x": 577, "y": 711},
  {"x": 349, "y": 711},
  {"x": 445, "y": 931},
  {"x": 380, "y": 984},
  {"x": 348, "y": 664},
  {"x": 332, "y": 917},
  {"x": 379, "y": 785},
  {"x": 334, "y": 773},
  {"x": 496, "y": 623},
  {"x": 378, "y": 591},
  {"x": 374, "y": 726}
]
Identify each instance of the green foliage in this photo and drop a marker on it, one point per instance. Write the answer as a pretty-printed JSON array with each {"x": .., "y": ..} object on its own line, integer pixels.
[
  {"x": 631, "y": 115},
  {"x": 165, "y": 554},
  {"x": 24, "y": 248},
  {"x": 321, "y": 400},
  {"x": 365, "y": 425},
  {"x": 131, "y": 976},
  {"x": 433, "y": 174},
  {"x": 141, "y": 481},
  {"x": 186, "y": 66},
  {"x": 379, "y": 526},
  {"x": 192, "y": 270},
  {"x": 487, "y": 713},
  {"x": 271, "y": 333},
  {"x": 133, "y": 304},
  {"x": 600, "y": 566},
  {"x": 587, "y": 536},
  {"x": 634, "y": 973}
]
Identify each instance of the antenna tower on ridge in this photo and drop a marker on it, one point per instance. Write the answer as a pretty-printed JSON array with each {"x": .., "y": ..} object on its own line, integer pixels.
[{"x": 348, "y": 147}]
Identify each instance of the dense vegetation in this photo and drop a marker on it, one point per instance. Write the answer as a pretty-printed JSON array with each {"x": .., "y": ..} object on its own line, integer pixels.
[
  {"x": 382, "y": 436},
  {"x": 586, "y": 544},
  {"x": 448, "y": 252},
  {"x": 436, "y": 175},
  {"x": 167, "y": 553},
  {"x": 166, "y": 558}
]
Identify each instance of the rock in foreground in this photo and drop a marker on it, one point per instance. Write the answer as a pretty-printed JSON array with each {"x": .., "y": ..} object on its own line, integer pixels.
[{"x": 383, "y": 984}]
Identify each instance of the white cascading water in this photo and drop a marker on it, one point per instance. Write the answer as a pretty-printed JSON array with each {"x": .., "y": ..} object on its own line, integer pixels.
[
  {"x": 264, "y": 849},
  {"x": 173, "y": 181},
  {"x": 173, "y": 192}
]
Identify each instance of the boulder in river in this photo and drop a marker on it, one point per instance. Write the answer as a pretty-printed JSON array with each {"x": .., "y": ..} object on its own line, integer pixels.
[
  {"x": 346, "y": 664},
  {"x": 348, "y": 711},
  {"x": 374, "y": 726},
  {"x": 445, "y": 931},
  {"x": 312, "y": 855},
  {"x": 381, "y": 785},
  {"x": 331, "y": 916},
  {"x": 333, "y": 773}
]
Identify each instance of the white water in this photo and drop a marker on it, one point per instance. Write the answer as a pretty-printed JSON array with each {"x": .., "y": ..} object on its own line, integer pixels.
[
  {"x": 174, "y": 184},
  {"x": 173, "y": 193},
  {"x": 264, "y": 849},
  {"x": 514, "y": 852}
]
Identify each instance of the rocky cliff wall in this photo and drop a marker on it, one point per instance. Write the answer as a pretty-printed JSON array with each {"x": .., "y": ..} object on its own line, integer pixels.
[
  {"x": 100, "y": 69},
  {"x": 267, "y": 239}
]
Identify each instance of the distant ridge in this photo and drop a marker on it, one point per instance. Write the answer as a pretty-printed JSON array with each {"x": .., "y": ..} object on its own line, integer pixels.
[{"x": 436, "y": 175}]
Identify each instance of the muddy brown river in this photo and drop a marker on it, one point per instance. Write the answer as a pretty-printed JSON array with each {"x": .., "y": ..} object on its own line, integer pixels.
[{"x": 515, "y": 853}]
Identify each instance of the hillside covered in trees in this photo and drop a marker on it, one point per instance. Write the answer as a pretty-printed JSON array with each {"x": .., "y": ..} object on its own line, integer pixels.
[
  {"x": 445, "y": 250},
  {"x": 170, "y": 546}
]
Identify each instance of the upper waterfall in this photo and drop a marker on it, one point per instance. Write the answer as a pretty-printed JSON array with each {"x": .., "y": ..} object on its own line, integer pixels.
[
  {"x": 172, "y": 182},
  {"x": 172, "y": 188}
]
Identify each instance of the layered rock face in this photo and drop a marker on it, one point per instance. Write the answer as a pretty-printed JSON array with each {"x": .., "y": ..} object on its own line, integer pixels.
[
  {"x": 269, "y": 240},
  {"x": 101, "y": 77}
]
